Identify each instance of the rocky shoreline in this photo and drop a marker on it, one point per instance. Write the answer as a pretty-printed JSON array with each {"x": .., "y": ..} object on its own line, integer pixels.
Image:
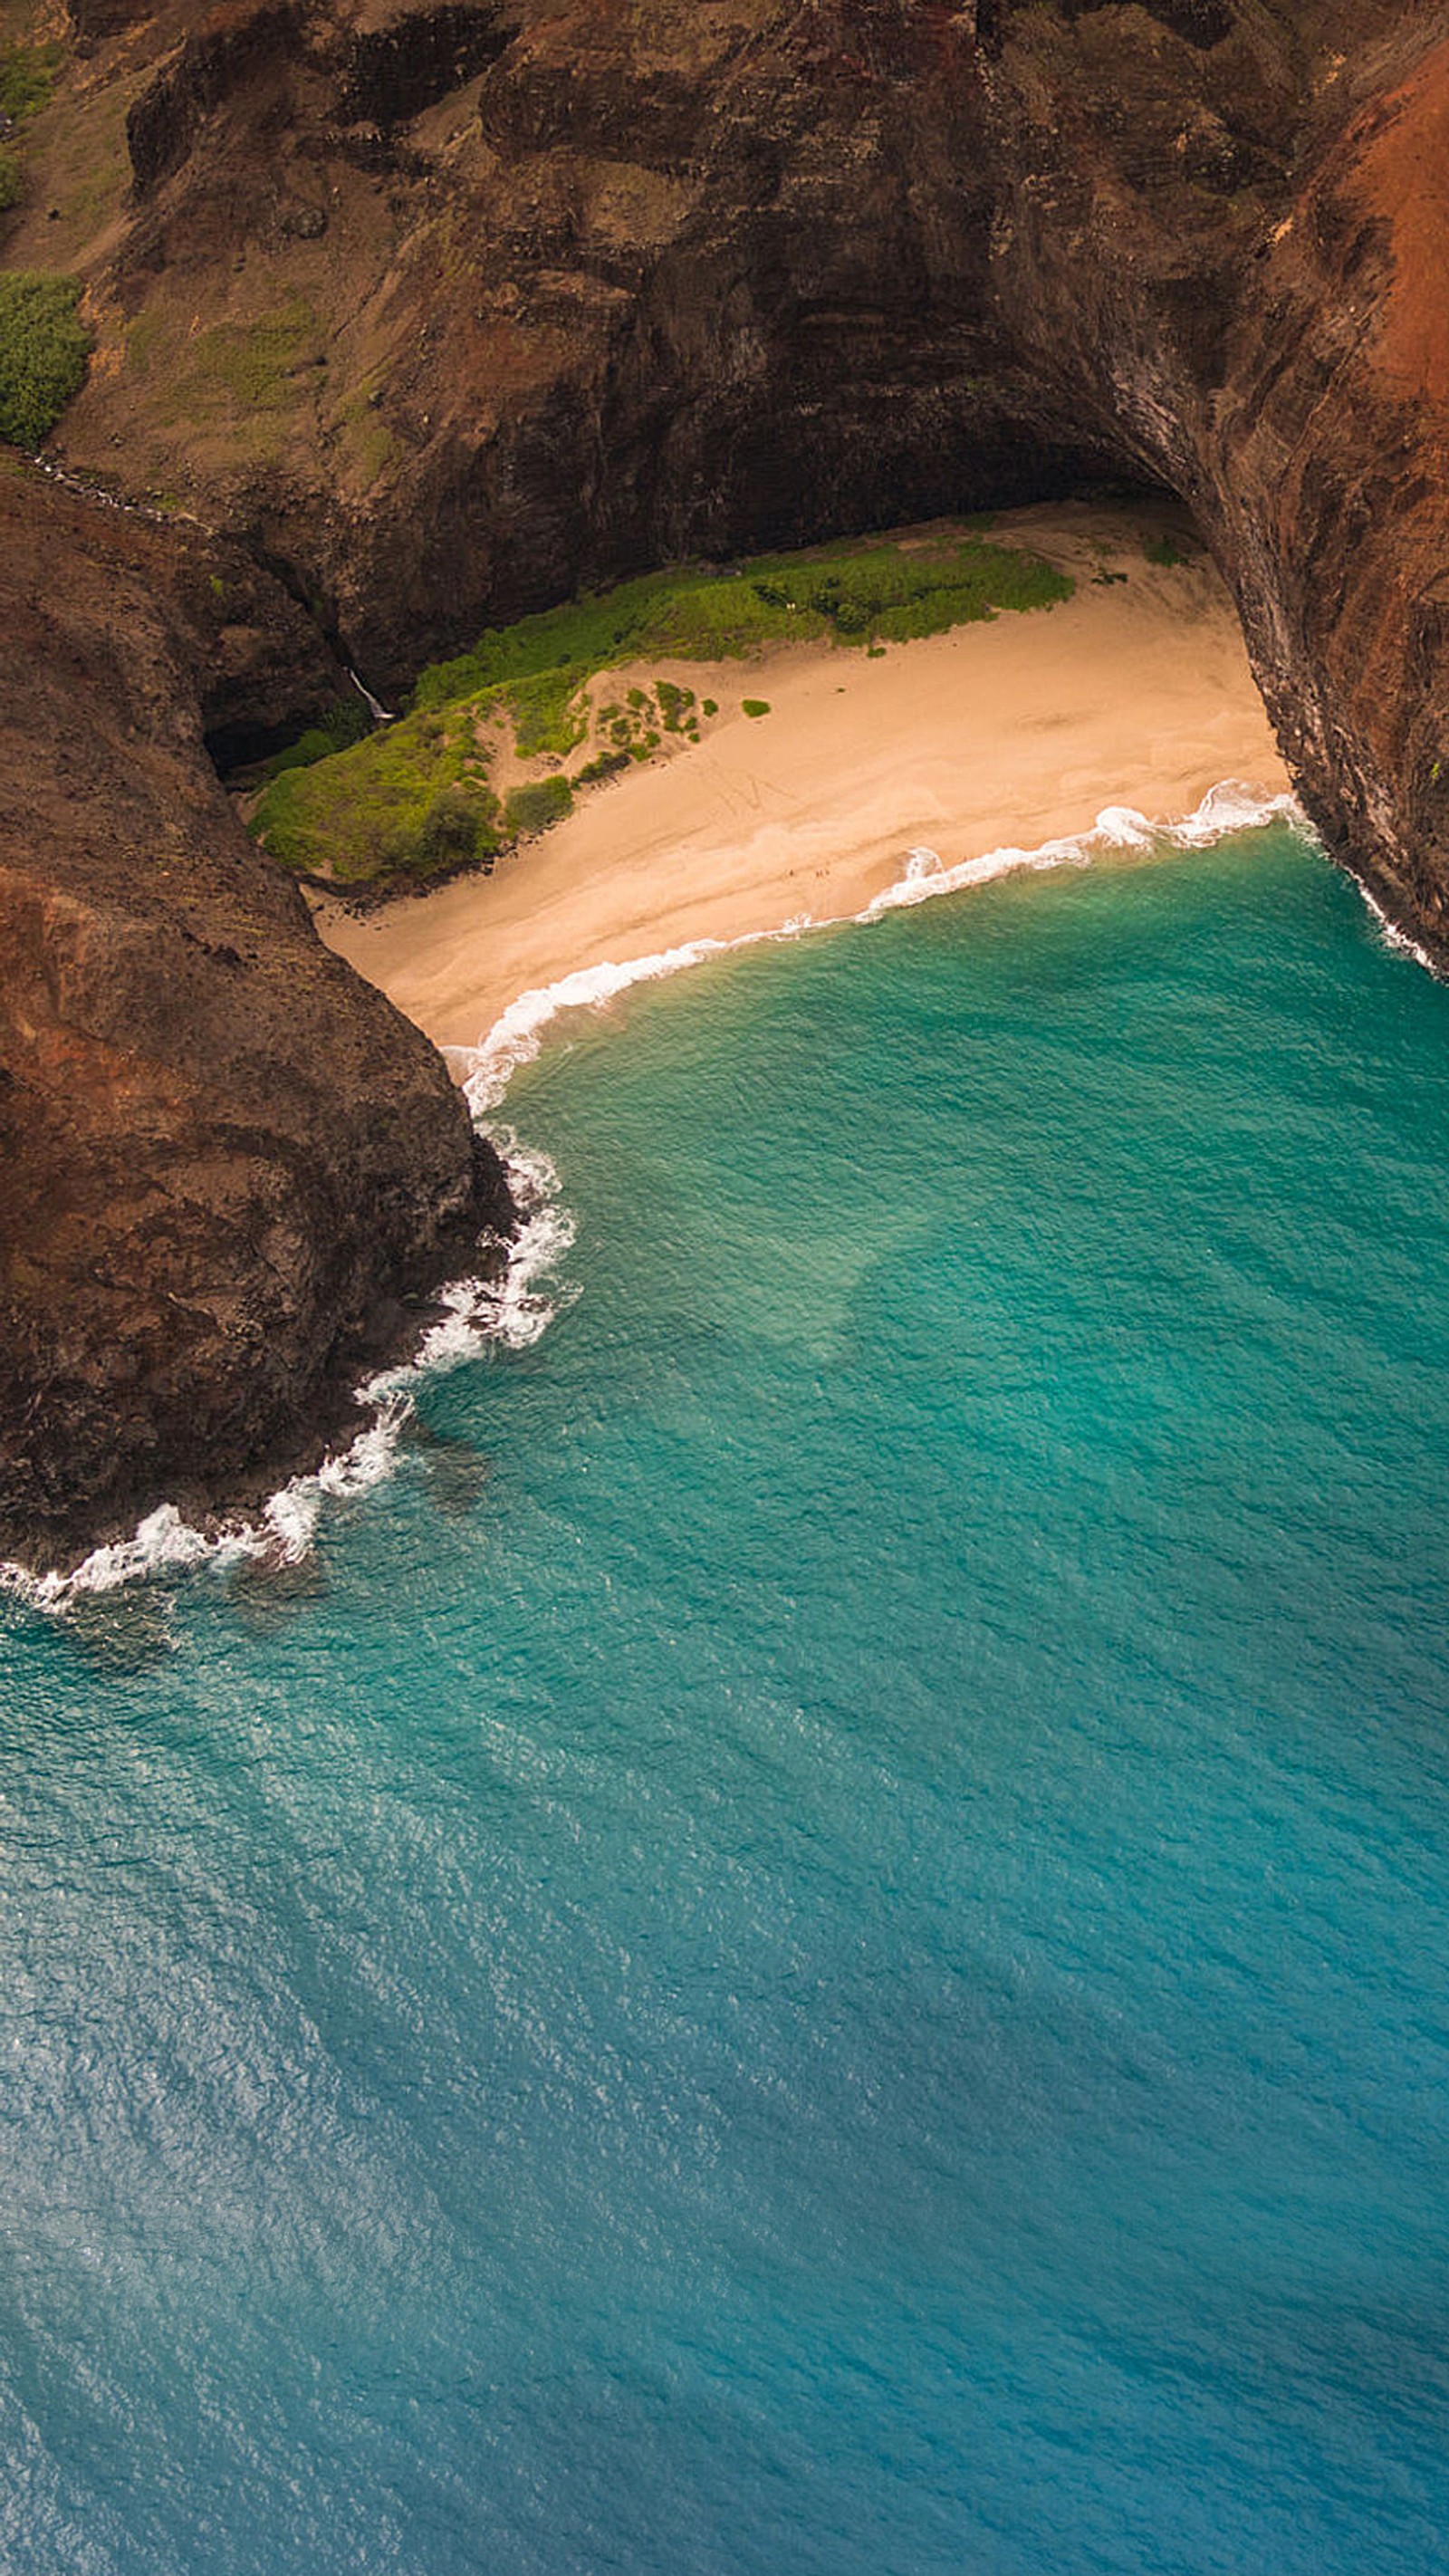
[
  {"x": 230, "y": 1167},
  {"x": 406, "y": 328}
]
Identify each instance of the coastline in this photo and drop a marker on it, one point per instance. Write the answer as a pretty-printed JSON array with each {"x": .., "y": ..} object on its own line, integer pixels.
[
  {"x": 1010, "y": 735},
  {"x": 1030, "y": 740}
]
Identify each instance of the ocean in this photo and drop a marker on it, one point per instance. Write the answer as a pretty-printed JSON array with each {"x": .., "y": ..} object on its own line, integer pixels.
[{"x": 814, "y": 1941}]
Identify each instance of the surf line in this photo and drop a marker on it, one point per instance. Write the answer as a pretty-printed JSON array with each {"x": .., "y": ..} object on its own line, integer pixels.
[
  {"x": 486, "y": 1070},
  {"x": 511, "y": 1311},
  {"x": 515, "y": 1310}
]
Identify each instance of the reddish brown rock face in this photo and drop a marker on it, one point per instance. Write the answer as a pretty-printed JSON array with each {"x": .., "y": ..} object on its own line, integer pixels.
[
  {"x": 448, "y": 307},
  {"x": 224, "y": 1158},
  {"x": 438, "y": 310}
]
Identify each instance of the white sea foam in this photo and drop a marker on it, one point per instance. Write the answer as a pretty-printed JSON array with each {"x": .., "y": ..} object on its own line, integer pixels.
[
  {"x": 513, "y": 1309},
  {"x": 1394, "y": 938},
  {"x": 517, "y": 1307},
  {"x": 514, "y": 1040}
]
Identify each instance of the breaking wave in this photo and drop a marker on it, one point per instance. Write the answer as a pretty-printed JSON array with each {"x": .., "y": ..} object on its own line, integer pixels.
[
  {"x": 1391, "y": 935},
  {"x": 517, "y": 1307},
  {"x": 514, "y": 1040},
  {"x": 513, "y": 1310}
]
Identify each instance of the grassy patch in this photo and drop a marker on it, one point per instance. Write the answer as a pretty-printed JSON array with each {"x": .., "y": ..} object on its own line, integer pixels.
[
  {"x": 233, "y": 374},
  {"x": 850, "y": 592},
  {"x": 254, "y": 364},
  {"x": 548, "y": 713},
  {"x": 12, "y": 179},
  {"x": 27, "y": 77},
  {"x": 362, "y": 812},
  {"x": 1165, "y": 552},
  {"x": 409, "y": 801},
  {"x": 893, "y": 593},
  {"x": 43, "y": 351}
]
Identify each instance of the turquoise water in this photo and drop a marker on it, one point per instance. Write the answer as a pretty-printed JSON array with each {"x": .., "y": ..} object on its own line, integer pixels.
[{"x": 821, "y": 1941}]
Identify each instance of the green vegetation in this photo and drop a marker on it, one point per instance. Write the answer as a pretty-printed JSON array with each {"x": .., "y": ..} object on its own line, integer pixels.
[
  {"x": 1166, "y": 552},
  {"x": 12, "y": 179},
  {"x": 410, "y": 800},
  {"x": 534, "y": 807},
  {"x": 343, "y": 725},
  {"x": 255, "y": 362},
  {"x": 636, "y": 728},
  {"x": 605, "y": 764},
  {"x": 548, "y": 712},
  {"x": 851, "y": 592},
  {"x": 43, "y": 352},
  {"x": 369, "y": 445},
  {"x": 889, "y": 594},
  {"x": 677, "y": 709},
  {"x": 457, "y": 829},
  {"x": 27, "y": 77},
  {"x": 235, "y": 377}
]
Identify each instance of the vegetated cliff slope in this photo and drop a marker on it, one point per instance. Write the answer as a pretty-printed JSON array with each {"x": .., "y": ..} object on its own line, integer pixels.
[
  {"x": 223, "y": 1156},
  {"x": 440, "y": 308}
]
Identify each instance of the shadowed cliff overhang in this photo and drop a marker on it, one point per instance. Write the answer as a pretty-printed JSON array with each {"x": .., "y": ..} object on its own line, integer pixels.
[{"x": 434, "y": 315}]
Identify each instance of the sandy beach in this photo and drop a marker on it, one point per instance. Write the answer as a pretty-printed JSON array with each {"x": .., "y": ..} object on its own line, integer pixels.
[{"x": 1134, "y": 692}]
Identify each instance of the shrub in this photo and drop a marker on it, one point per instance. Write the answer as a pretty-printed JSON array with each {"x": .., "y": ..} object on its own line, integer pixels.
[
  {"x": 12, "y": 179},
  {"x": 533, "y": 808},
  {"x": 675, "y": 705},
  {"x": 755, "y": 706},
  {"x": 1164, "y": 551},
  {"x": 365, "y": 813},
  {"x": 452, "y": 830},
  {"x": 546, "y": 714},
  {"x": 43, "y": 352},
  {"x": 605, "y": 764}
]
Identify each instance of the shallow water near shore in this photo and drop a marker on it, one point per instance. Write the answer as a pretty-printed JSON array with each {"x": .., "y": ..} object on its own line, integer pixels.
[{"x": 819, "y": 1942}]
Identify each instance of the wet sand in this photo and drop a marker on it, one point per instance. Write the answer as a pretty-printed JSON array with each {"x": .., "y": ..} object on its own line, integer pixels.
[{"x": 1135, "y": 692}]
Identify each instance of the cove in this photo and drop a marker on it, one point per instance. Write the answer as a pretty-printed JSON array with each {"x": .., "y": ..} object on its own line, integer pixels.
[{"x": 818, "y": 1942}]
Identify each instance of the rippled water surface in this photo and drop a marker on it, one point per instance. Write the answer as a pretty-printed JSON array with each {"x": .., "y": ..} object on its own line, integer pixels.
[{"x": 821, "y": 1941}]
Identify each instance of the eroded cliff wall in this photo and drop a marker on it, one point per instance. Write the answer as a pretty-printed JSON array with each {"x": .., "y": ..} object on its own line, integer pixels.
[
  {"x": 435, "y": 309},
  {"x": 447, "y": 307},
  {"x": 224, "y": 1158}
]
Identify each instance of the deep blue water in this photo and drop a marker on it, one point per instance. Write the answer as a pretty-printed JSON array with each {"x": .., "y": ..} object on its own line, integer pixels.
[{"x": 819, "y": 1945}]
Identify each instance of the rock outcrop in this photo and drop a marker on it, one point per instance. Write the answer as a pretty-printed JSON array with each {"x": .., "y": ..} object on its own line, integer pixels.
[
  {"x": 225, "y": 1159},
  {"x": 450, "y": 305},
  {"x": 436, "y": 309}
]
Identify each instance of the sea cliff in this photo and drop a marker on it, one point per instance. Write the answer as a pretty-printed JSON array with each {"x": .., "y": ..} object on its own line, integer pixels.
[{"x": 411, "y": 319}]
